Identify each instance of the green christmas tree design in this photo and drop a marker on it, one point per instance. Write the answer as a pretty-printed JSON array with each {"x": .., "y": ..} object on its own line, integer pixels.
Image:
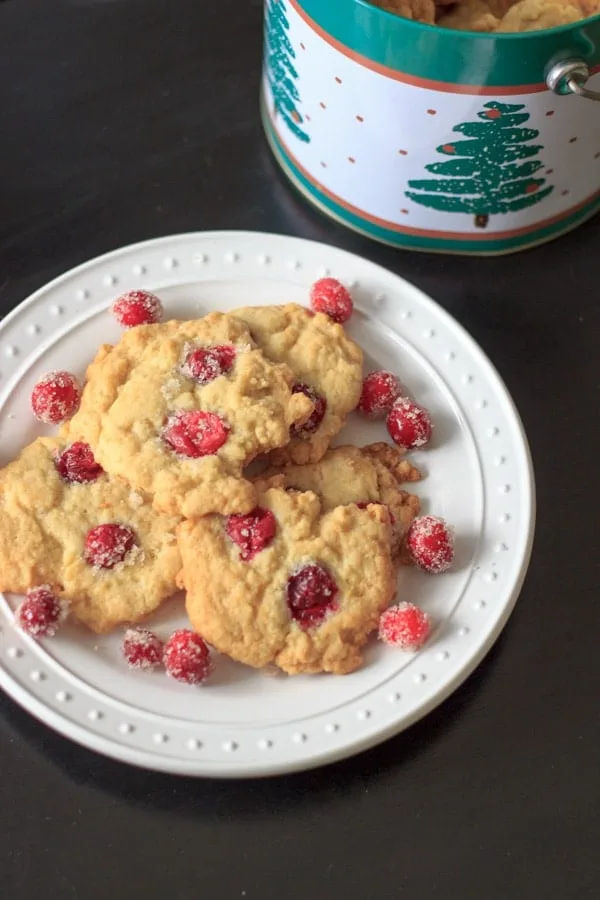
[
  {"x": 486, "y": 177},
  {"x": 281, "y": 73}
]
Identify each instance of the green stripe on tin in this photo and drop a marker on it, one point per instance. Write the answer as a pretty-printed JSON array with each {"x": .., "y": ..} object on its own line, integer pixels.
[
  {"x": 417, "y": 242},
  {"x": 458, "y": 57}
]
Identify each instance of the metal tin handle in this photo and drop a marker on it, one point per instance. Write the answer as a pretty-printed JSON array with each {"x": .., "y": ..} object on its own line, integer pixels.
[{"x": 570, "y": 77}]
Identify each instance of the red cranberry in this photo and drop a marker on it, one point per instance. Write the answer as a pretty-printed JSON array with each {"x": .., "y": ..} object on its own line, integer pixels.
[
  {"x": 77, "y": 464},
  {"x": 204, "y": 364},
  {"x": 107, "y": 545},
  {"x": 196, "y": 433},
  {"x": 187, "y": 657},
  {"x": 137, "y": 308},
  {"x": 311, "y": 595},
  {"x": 329, "y": 296},
  {"x": 41, "y": 613},
  {"x": 316, "y": 417},
  {"x": 55, "y": 398},
  {"x": 252, "y": 532}
]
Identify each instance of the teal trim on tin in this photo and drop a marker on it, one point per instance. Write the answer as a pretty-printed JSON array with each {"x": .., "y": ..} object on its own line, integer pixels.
[
  {"x": 458, "y": 57},
  {"x": 418, "y": 242}
]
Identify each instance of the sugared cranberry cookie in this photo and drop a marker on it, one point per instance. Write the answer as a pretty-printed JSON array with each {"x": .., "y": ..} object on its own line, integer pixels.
[
  {"x": 327, "y": 365},
  {"x": 372, "y": 474},
  {"x": 66, "y": 524},
  {"x": 178, "y": 409},
  {"x": 291, "y": 585}
]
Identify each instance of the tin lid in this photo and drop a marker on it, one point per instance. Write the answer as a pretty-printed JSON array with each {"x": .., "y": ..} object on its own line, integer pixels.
[{"x": 435, "y": 56}]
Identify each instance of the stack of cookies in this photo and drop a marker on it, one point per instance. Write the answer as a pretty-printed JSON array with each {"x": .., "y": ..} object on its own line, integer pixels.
[
  {"x": 514, "y": 16},
  {"x": 146, "y": 491}
]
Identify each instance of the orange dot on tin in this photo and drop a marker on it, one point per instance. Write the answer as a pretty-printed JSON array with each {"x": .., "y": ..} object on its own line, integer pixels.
[
  {"x": 432, "y": 112},
  {"x": 572, "y": 140},
  {"x": 449, "y": 148},
  {"x": 403, "y": 152},
  {"x": 324, "y": 165},
  {"x": 531, "y": 188},
  {"x": 351, "y": 159},
  {"x": 338, "y": 80},
  {"x": 322, "y": 105},
  {"x": 307, "y": 117},
  {"x": 550, "y": 112},
  {"x": 597, "y": 155},
  {"x": 302, "y": 46},
  {"x": 549, "y": 171},
  {"x": 360, "y": 119},
  {"x": 493, "y": 114},
  {"x": 296, "y": 116},
  {"x": 564, "y": 193},
  {"x": 404, "y": 212}
]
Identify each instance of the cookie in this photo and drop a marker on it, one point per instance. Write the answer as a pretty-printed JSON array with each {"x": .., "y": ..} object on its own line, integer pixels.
[
  {"x": 533, "y": 15},
  {"x": 291, "y": 584},
  {"x": 327, "y": 365},
  {"x": 417, "y": 10},
  {"x": 178, "y": 409},
  {"x": 351, "y": 475},
  {"x": 470, "y": 15},
  {"x": 66, "y": 523}
]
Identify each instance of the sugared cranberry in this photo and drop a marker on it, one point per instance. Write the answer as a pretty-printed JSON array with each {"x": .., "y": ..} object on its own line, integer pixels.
[
  {"x": 404, "y": 626},
  {"x": 252, "y": 532},
  {"x": 142, "y": 649},
  {"x": 137, "y": 308},
  {"x": 41, "y": 613},
  {"x": 409, "y": 424},
  {"x": 316, "y": 417},
  {"x": 107, "y": 545},
  {"x": 430, "y": 544},
  {"x": 55, "y": 398},
  {"x": 204, "y": 364},
  {"x": 195, "y": 433},
  {"x": 76, "y": 463},
  {"x": 311, "y": 595},
  {"x": 187, "y": 657},
  {"x": 380, "y": 390},
  {"x": 329, "y": 296}
]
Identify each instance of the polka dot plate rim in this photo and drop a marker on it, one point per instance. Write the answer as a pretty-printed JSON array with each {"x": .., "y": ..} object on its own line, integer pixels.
[{"x": 479, "y": 476}]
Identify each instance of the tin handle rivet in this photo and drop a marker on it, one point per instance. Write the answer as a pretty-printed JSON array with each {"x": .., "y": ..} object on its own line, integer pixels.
[{"x": 570, "y": 77}]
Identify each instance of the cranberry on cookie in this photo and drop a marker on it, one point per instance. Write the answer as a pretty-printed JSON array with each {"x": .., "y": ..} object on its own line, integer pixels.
[
  {"x": 327, "y": 366},
  {"x": 178, "y": 409},
  {"x": 66, "y": 524},
  {"x": 292, "y": 585}
]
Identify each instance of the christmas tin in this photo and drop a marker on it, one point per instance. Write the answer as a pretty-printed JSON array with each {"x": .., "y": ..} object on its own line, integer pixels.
[{"x": 431, "y": 139}]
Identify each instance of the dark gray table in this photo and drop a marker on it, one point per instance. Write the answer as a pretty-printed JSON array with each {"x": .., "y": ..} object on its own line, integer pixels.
[{"x": 127, "y": 119}]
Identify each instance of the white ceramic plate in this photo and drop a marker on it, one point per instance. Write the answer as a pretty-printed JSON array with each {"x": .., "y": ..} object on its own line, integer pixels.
[{"x": 479, "y": 477}]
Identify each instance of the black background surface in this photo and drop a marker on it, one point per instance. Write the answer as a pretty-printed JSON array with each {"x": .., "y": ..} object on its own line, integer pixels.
[{"x": 128, "y": 119}]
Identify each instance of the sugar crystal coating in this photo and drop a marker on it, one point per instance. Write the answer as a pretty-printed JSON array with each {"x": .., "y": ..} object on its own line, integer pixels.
[
  {"x": 76, "y": 464},
  {"x": 195, "y": 433},
  {"x": 107, "y": 545},
  {"x": 204, "y": 364},
  {"x": 430, "y": 544},
  {"x": 409, "y": 425},
  {"x": 55, "y": 398},
  {"x": 41, "y": 612},
  {"x": 329, "y": 296},
  {"x": 187, "y": 657},
  {"x": 142, "y": 649},
  {"x": 380, "y": 390},
  {"x": 404, "y": 626},
  {"x": 252, "y": 532},
  {"x": 137, "y": 308}
]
